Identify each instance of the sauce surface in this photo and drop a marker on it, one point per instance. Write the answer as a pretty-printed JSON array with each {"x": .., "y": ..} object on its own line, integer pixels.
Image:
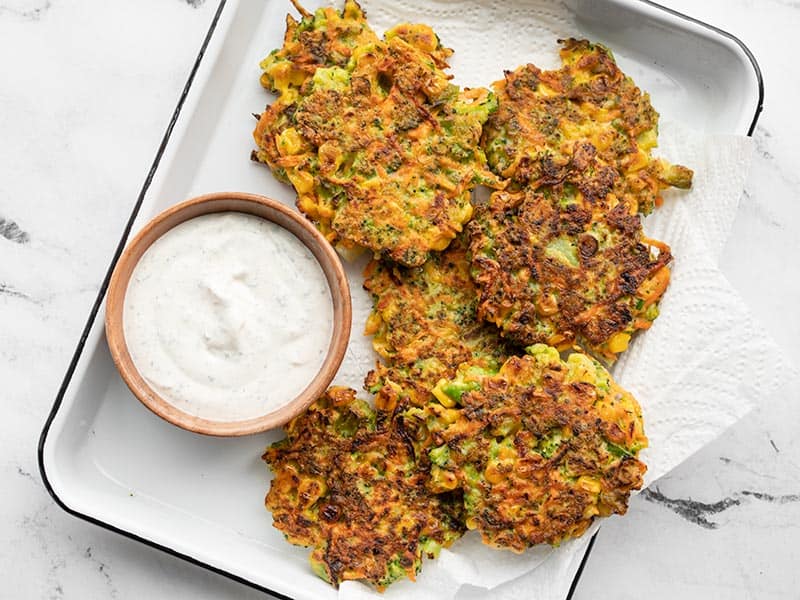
[{"x": 228, "y": 316}]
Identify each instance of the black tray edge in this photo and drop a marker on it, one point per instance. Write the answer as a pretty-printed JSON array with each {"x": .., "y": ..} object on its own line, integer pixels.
[
  {"x": 120, "y": 247},
  {"x": 742, "y": 46}
]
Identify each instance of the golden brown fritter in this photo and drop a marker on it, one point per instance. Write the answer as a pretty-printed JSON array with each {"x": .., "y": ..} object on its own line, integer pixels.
[
  {"x": 383, "y": 151},
  {"x": 539, "y": 448},
  {"x": 326, "y": 38},
  {"x": 425, "y": 323},
  {"x": 428, "y": 311},
  {"x": 353, "y": 490},
  {"x": 554, "y": 268},
  {"x": 586, "y": 124}
]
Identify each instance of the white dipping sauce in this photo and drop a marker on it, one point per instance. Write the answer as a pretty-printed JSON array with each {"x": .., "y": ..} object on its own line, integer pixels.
[{"x": 228, "y": 316}]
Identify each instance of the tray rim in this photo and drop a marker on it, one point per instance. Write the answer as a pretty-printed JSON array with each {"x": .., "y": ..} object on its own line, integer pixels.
[{"x": 98, "y": 302}]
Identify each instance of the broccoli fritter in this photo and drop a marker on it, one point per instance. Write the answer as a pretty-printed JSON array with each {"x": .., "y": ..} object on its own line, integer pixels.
[
  {"x": 326, "y": 38},
  {"x": 428, "y": 311},
  {"x": 539, "y": 448},
  {"x": 586, "y": 124},
  {"x": 425, "y": 323},
  {"x": 352, "y": 488},
  {"x": 382, "y": 150},
  {"x": 554, "y": 268}
]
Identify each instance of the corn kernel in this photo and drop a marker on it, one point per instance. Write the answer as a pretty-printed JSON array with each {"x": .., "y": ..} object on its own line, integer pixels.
[
  {"x": 589, "y": 484},
  {"x": 547, "y": 305},
  {"x": 309, "y": 491},
  {"x": 303, "y": 182},
  {"x": 289, "y": 142},
  {"x": 504, "y": 453},
  {"x": 308, "y": 205},
  {"x": 590, "y": 512},
  {"x": 440, "y": 242},
  {"x": 441, "y": 396},
  {"x": 619, "y": 342},
  {"x": 443, "y": 480},
  {"x": 639, "y": 161},
  {"x": 373, "y": 323},
  {"x": 466, "y": 213},
  {"x": 494, "y": 475}
]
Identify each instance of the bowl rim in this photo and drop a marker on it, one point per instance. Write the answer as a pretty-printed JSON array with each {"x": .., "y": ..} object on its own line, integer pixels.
[{"x": 246, "y": 203}]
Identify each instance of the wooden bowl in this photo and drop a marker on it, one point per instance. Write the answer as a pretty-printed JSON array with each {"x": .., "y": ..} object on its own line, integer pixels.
[{"x": 226, "y": 202}]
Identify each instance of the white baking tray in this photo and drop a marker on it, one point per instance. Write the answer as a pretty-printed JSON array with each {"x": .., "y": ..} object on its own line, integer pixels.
[{"x": 106, "y": 459}]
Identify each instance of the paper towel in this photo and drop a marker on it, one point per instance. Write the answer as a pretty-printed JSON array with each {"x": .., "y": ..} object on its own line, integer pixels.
[{"x": 700, "y": 367}]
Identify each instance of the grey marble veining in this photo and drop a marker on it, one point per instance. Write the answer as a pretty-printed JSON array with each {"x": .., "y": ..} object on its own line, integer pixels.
[
  {"x": 88, "y": 86},
  {"x": 700, "y": 513},
  {"x": 11, "y": 231},
  {"x": 26, "y": 9}
]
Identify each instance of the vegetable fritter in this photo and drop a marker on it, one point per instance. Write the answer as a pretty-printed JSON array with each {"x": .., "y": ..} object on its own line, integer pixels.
[
  {"x": 425, "y": 323},
  {"x": 586, "y": 124},
  {"x": 382, "y": 150},
  {"x": 552, "y": 267},
  {"x": 352, "y": 489},
  {"x": 539, "y": 448},
  {"x": 326, "y": 38}
]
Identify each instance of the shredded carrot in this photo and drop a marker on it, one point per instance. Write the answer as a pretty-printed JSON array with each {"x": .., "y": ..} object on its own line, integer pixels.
[
  {"x": 299, "y": 8},
  {"x": 653, "y": 288},
  {"x": 655, "y": 243},
  {"x": 588, "y": 314}
]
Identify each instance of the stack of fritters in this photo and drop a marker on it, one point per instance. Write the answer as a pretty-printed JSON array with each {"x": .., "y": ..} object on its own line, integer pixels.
[
  {"x": 559, "y": 257},
  {"x": 380, "y": 147},
  {"x": 469, "y": 431},
  {"x": 354, "y": 491}
]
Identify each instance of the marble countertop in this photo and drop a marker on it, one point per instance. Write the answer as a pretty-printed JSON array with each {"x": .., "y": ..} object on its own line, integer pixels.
[{"x": 87, "y": 89}]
